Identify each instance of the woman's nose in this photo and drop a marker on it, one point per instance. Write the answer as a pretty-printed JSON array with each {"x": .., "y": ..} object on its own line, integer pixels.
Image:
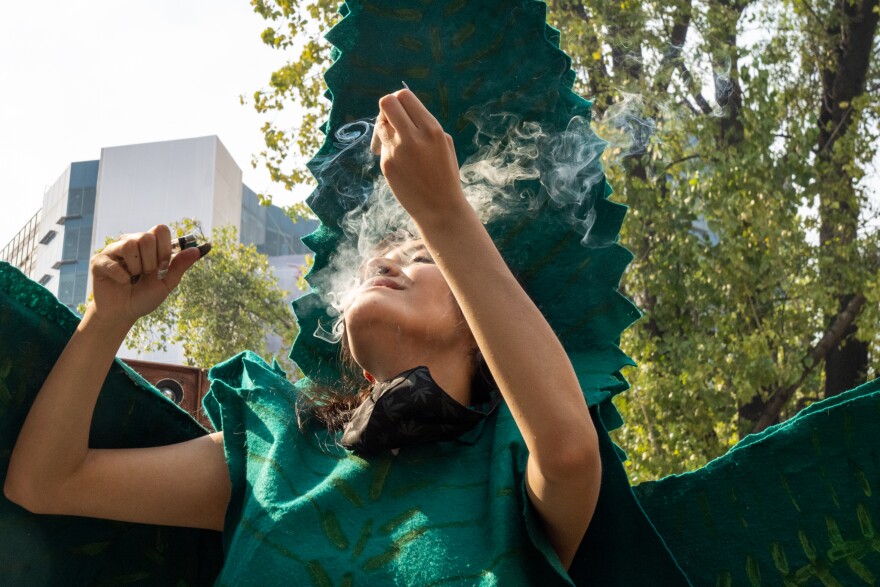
[{"x": 381, "y": 266}]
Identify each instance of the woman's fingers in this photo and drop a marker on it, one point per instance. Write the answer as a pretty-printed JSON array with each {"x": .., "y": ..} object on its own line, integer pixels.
[
  {"x": 181, "y": 262},
  {"x": 416, "y": 111},
  {"x": 383, "y": 134},
  {"x": 163, "y": 248},
  {"x": 137, "y": 254},
  {"x": 105, "y": 266},
  {"x": 128, "y": 254},
  {"x": 402, "y": 114},
  {"x": 138, "y": 259},
  {"x": 149, "y": 254},
  {"x": 396, "y": 114}
]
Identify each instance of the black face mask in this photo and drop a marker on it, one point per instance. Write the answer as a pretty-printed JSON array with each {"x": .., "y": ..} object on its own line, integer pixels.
[{"x": 410, "y": 409}]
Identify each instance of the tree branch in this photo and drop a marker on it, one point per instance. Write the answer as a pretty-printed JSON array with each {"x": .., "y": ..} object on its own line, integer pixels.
[
  {"x": 831, "y": 339},
  {"x": 677, "y": 39},
  {"x": 682, "y": 160},
  {"x": 816, "y": 19},
  {"x": 597, "y": 77},
  {"x": 687, "y": 104},
  {"x": 690, "y": 84},
  {"x": 833, "y": 135},
  {"x": 649, "y": 427}
]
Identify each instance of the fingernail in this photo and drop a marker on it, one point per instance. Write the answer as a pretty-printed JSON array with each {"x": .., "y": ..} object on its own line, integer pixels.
[
  {"x": 135, "y": 279},
  {"x": 163, "y": 270},
  {"x": 204, "y": 249}
]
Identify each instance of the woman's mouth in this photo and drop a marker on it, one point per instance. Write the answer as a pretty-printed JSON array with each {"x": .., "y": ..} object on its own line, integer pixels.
[{"x": 382, "y": 282}]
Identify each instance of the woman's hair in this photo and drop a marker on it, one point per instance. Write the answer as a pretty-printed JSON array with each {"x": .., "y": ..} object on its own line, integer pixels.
[{"x": 332, "y": 406}]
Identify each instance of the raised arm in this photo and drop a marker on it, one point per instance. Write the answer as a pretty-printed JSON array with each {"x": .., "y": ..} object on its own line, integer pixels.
[
  {"x": 53, "y": 470},
  {"x": 526, "y": 358}
]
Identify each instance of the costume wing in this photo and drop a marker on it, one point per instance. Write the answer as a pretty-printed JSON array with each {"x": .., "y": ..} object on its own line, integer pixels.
[
  {"x": 68, "y": 550},
  {"x": 797, "y": 504}
]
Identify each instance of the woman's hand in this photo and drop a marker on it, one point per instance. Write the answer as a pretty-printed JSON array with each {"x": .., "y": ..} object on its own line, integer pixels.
[
  {"x": 418, "y": 158},
  {"x": 125, "y": 275}
]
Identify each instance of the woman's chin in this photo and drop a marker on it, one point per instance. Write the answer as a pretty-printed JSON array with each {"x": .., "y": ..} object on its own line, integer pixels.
[
  {"x": 370, "y": 307},
  {"x": 373, "y": 314}
]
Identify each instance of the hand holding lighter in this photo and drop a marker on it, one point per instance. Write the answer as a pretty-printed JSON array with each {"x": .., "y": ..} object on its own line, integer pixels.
[{"x": 186, "y": 241}]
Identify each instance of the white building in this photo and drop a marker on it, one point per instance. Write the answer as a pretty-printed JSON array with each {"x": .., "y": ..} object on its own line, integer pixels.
[{"x": 134, "y": 187}]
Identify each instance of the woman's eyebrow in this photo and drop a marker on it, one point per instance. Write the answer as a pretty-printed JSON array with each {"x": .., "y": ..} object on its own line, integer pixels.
[{"x": 411, "y": 250}]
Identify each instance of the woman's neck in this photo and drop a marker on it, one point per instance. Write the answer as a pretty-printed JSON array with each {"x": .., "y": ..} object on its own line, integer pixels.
[{"x": 450, "y": 369}]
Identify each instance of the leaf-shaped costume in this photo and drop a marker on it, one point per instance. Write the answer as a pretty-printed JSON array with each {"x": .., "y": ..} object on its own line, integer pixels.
[{"x": 796, "y": 505}]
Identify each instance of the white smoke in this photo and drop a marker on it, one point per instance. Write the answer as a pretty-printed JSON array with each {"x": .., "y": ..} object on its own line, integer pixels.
[{"x": 518, "y": 168}]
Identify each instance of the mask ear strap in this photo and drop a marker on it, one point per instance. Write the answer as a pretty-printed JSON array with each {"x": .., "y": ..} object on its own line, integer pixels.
[
  {"x": 485, "y": 372},
  {"x": 494, "y": 398}
]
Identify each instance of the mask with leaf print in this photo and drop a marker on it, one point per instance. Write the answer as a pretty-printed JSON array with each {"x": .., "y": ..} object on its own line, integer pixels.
[{"x": 410, "y": 409}]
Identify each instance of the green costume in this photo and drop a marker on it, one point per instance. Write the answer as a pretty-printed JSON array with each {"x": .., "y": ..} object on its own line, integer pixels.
[
  {"x": 796, "y": 505},
  {"x": 451, "y": 513}
]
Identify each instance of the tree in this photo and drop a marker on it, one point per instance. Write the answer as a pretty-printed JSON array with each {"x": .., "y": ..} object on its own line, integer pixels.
[
  {"x": 298, "y": 86},
  {"x": 757, "y": 250},
  {"x": 743, "y": 303},
  {"x": 228, "y": 302}
]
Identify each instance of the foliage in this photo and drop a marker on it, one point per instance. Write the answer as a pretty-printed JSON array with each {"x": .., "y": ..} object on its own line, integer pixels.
[
  {"x": 227, "y": 302},
  {"x": 736, "y": 286},
  {"x": 301, "y": 282},
  {"x": 750, "y": 219},
  {"x": 296, "y": 90}
]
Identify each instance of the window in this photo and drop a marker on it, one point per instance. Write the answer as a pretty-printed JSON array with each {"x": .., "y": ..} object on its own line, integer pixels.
[
  {"x": 67, "y": 217},
  {"x": 79, "y": 288},
  {"x": 85, "y": 241},
  {"x": 75, "y": 202},
  {"x": 45, "y": 279},
  {"x": 71, "y": 240},
  {"x": 67, "y": 281},
  {"x": 88, "y": 206},
  {"x": 47, "y": 238}
]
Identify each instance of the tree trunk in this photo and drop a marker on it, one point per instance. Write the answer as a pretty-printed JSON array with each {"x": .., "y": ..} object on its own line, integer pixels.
[{"x": 852, "y": 35}]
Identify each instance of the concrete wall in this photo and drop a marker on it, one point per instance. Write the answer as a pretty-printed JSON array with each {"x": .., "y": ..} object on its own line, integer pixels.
[
  {"x": 227, "y": 189},
  {"x": 140, "y": 186},
  {"x": 54, "y": 208}
]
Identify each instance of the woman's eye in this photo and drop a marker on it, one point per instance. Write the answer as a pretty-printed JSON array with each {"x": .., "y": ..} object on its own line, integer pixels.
[{"x": 422, "y": 259}]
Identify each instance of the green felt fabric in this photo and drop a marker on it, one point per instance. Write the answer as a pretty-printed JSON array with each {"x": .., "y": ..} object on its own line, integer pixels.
[
  {"x": 797, "y": 504},
  {"x": 307, "y": 512},
  {"x": 69, "y": 551}
]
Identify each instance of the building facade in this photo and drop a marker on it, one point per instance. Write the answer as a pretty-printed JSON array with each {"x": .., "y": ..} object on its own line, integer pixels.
[
  {"x": 21, "y": 250},
  {"x": 133, "y": 187}
]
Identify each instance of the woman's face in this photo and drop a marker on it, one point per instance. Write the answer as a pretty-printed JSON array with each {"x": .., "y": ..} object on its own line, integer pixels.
[{"x": 403, "y": 300}]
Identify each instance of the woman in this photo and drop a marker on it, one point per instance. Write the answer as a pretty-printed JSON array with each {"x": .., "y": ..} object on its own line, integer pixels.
[{"x": 407, "y": 314}]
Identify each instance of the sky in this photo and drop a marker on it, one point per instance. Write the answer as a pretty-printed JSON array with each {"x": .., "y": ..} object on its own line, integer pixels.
[{"x": 79, "y": 75}]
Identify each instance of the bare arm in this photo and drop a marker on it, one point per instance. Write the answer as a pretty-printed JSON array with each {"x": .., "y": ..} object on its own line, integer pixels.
[
  {"x": 53, "y": 470},
  {"x": 526, "y": 358}
]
